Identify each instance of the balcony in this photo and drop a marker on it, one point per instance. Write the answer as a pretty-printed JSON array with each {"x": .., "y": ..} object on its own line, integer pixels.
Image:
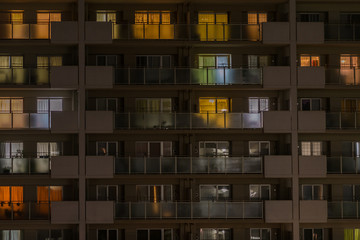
[
  {"x": 65, "y": 212},
  {"x": 99, "y": 77},
  {"x": 64, "y": 167},
  {"x": 25, "y": 211},
  {"x": 99, "y": 121},
  {"x": 312, "y": 166},
  {"x": 342, "y": 32},
  {"x": 188, "y": 76},
  {"x": 276, "y": 32},
  {"x": 311, "y": 77},
  {"x": 99, "y": 212},
  {"x": 343, "y": 165},
  {"x": 189, "y": 165},
  {"x": 178, "y": 121},
  {"x": 343, "y": 120},
  {"x": 276, "y": 166},
  {"x": 26, "y": 166},
  {"x": 99, "y": 166},
  {"x": 187, "y": 32},
  {"x": 312, "y": 121},
  {"x": 347, "y": 77},
  {"x": 24, "y": 76},
  {"x": 277, "y": 121},
  {"x": 313, "y": 211},
  {"x": 344, "y": 210},
  {"x": 310, "y": 32},
  {"x": 278, "y": 211},
  {"x": 189, "y": 210}
]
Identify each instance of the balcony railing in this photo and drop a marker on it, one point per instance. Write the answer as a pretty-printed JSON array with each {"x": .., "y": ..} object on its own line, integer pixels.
[
  {"x": 24, "y": 76},
  {"x": 25, "y": 211},
  {"x": 24, "y": 166},
  {"x": 343, "y": 165},
  {"x": 189, "y": 165},
  {"x": 25, "y": 31},
  {"x": 350, "y": 76},
  {"x": 190, "y": 32},
  {"x": 343, "y": 210},
  {"x": 24, "y": 121},
  {"x": 188, "y": 120},
  {"x": 195, "y": 76},
  {"x": 189, "y": 210},
  {"x": 342, "y": 120},
  {"x": 342, "y": 32}
]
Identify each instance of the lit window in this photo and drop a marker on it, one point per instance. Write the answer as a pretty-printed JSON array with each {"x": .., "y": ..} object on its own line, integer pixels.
[
  {"x": 11, "y": 61},
  {"x": 107, "y": 193},
  {"x": 310, "y": 148},
  {"x": 309, "y": 61},
  {"x": 17, "y": 17},
  {"x": 47, "y": 17},
  {"x": 46, "y": 61},
  {"x": 213, "y": 26},
  {"x": 11, "y": 149},
  {"x": 259, "y": 148},
  {"x": 351, "y": 234},
  {"x": 154, "y": 234},
  {"x": 350, "y": 105},
  {"x": 215, "y": 234},
  {"x": 49, "y": 194},
  {"x": 310, "y": 104},
  {"x": 312, "y": 192},
  {"x": 348, "y": 61},
  {"x": 154, "y": 193},
  {"x": 258, "y": 104},
  {"x": 153, "y": 104},
  {"x": 153, "y": 25},
  {"x": 215, "y": 192},
  {"x": 255, "y": 61},
  {"x": 313, "y": 234},
  {"x": 214, "y": 61},
  {"x": 11, "y": 105},
  {"x": 260, "y": 233},
  {"x": 106, "y": 16},
  {"x": 257, "y": 18},
  {"x": 259, "y": 192},
  {"x": 213, "y": 148},
  {"x": 11, "y": 194},
  {"x": 47, "y": 149},
  {"x": 11, "y": 234},
  {"x": 152, "y": 17},
  {"x": 214, "y": 105},
  {"x": 48, "y": 105}
]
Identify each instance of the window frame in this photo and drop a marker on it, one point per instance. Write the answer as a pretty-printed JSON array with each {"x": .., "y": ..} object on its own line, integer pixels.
[
  {"x": 49, "y": 193},
  {"x": 49, "y": 61},
  {"x": 311, "y": 56},
  {"x": 162, "y": 60},
  {"x": 260, "y": 229},
  {"x": 259, "y": 107},
  {"x": 10, "y": 61},
  {"x": 106, "y": 59},
  {"x": 312, "y": 231},
  {"x": 217, "y": 147},
  {"x": 352, "y": 64},
  {"x": 229, "y": 103},
  {"x": 10, "y": 233},
  {"x": 161, "y": 147},
  {"x": 49, "y": 154},
  {"x": 149, "y": 229},
  {"x": 106, "y": 103},
  {"x": 260, "y": 194},
  {"x": 9, "y": 145},
  {"x": 259, "y": 145},
  {"x": 215, "y": 17},
  {"x": 216, "y": 60},
  {"x": 161, "y": 107},
  {"x": 217, "y": 191},
  {"x": 11, "y": 103},
  {"x": 162, "y": 196},
  {"x": 107, "y": 186},
  {"x": 107, "y": 13},
  {"x": 49, "y": 19},
  {"x": 321, "y": 186},
  {"x": 312, "y": 149},
  {"x": 217, "y": 232},
  {"x": 311, "y": 104},
  {"x": 258, "y": 22},
  {"x": 147, "y": 12},
  {"x": 107, "y": 147}
]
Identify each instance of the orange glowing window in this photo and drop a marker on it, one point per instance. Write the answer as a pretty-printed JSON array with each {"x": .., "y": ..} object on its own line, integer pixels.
[
  {"x": 49, "y": 193},
  {"x": 46, "y": 17},
  {"x": 257, "y": 18},
  {"x": 310, "y": 61},
  {"x": 348, "y": 61},
  {"x": 152, "y": 17},
  {"x": 213, "y": 105},
  {"x": 105, "y": 16},
  {"x": 212, "y": 18},
  {"x": 11, "y": 194},
  {"x": 17, "y": 17}
]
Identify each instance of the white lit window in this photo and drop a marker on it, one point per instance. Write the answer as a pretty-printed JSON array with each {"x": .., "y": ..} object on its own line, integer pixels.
[
  {"x": 214, "y": 60},
  {"x": 153, "y": 104},
  {"x": 312, "y": 192},
  {"x": 48, "y": 149},
  {"x": 313, "y": 234},
  {"x": 11, "y": 149},
  {"x": 215, "y": 192},
  {"x": 259, "y": 192},
  {"x": 215, "y": 234},
  {"x": 310, "y": 148},
  {"x": 258, "y": 104},
  {"x": 47, "y": 105},
  {"x": 107, "y": 234},
  {"x": 11, "y": 234},
  {"x": 214, "y": 148},
  {"x": 105, "y": 16},
  {"x": 260, "y": 233},
  {"x": 154, "y": 234},
  {"x": 107, "y": 192},
  {"x": 154, "y": 193}
]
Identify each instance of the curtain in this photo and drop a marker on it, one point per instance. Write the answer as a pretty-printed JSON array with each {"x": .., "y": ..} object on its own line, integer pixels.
[
  {"x": 17, "y": 18},
  {"x": 4, "y": 194},
  {"x": 348, "y": 234},
  {"x": 4, "y": 61},
  {"x": 5, "y": 150},
  {"x": 42, "y": 61},
  {"x": 101, "y": 17},
  {"x": 17, "y": 105},
  {"x": 56, "y": 61},
  {"x": 55, "y": 17},
  {"x": 54, "y": 149},
  {"x": 56, "y": 193},
  {"x": 154, "y": 105},
  {"x": 42, "y": 149},
  {"x": 17, "y": 194},
  {"x": 17, "y": 61},
  {"x": 5, "y": 105},
  {"x": 42, "y": 194},
  {"x": 17, "y": 149},
  {"x": 56, "y": 105},
  {"x": 357, "y": 234},
  {"x": 140, "y": 17},
  {"x": 43, "y": 105},
  {"x": 141, "y": 105},
  {"x": 206, "y": 18}
]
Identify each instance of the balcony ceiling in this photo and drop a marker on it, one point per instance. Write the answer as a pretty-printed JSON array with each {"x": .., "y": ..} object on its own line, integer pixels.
[{"x": 183, "y": 1}]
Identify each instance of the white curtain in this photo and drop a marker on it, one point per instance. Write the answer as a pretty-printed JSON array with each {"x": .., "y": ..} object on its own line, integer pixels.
[
  {"x": 54, "y": 149},
  {"x": 42, "y": 149},
  {"x": 5, "y": 150},
  {"x": 42, "y": 105},
  {"x": 56, "y": 105},
  {"x": 4, "y": 61},
  {"x": 5, "y": 105}
]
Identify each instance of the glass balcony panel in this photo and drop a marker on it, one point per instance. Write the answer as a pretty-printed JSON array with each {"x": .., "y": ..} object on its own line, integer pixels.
[
  {"x": 20, "y": 31},
  {"x": 152, "y": 31},
  {"x": 20, "y": 211},
  {"x": 167, "y": 31},
  {"x": 200, "y": 165},
  {"x": 183, "y": 75},
  {"x": 20, "y": 165},
  {"x": 234, "y": 120},
  {"x": 40, "y": 31},
  {"x": 251, "y": 75},
  {"x": 357, "y": 76},
  {"x": 183, "y": 121},
  {"x": 122, "y": 121},
  {"x": 235, "y": 210},
  {"x": 121, "y": 165},
  {"x": 346, "y": 32},
  {"x": 334, "y": 210},
  {"x": 252, "y": 165},
  {"x": 234, "y": 76},
  {"x": 6, "y": 75},
  {"x": 347, "y": 77},
  {"x": 39, "y": 165},
  {"x": 183, "y": 209},
  {"x": 199, "y": 120},
  {"x": 349, "y": 210},
  {"x": 137, "y": 120},
  {"x": 216, "y": 76},
  {"x": 357, "y": 164},
  {"x": 331, "y": 32},
  {"x": 122, "y": 210},
  {"x": 251, "y": 120},
  {"x": 217, "y": 209},
  {"x": 198, "y": 76},
  {"x": 217, "y": 165},
  {"x": 5, "y": 120},
  {"x": 200, "y": 209},
  {"x": 183, "y": 164},
  {"x": 253, "y": 210},
  {"x": 153, "y": 165},
  {"x": 39, "y": 120},
  {"x": 137, "y": 165},
  {"x": 333, "y": 120},
  {"x": 6, "y": 211},
  {"x": 122, "y": 76},
  {"x": 167, "y": 76},
  {"x": 250, "y": 32},
  {"x": 347, "y": 120},
  {"x": 216, "y": 120},
  {"x": 5, "y": 166},
  {"x": 234, "y": 165},
  {"x": 168, "y": 165},
  {"x": 39, "y": 76},
  {"x": 152, "y": 76},
  {"x": 121, "y": 31},
  {"x": 138, "y": 210},
  {"x": 167, "y": 121},
  {"x": 6, "y": 31},
  {"x": 168, "y": 209},
  {"x": 40, "y": 211},
  {"x": 153, "y": 210},
  {"x": 20, "y": 120},
  {"x": 20, "y": 76},
  {"x": 137, "y": 75},
  {"x": 333, "y": 165},
  {"x": 332, "y": 76},
  {"x": 348, "y": 165}
]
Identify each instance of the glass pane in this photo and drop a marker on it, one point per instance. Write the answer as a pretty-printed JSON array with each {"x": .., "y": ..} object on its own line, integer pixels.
[
  {"x": 305, "y": 105},
  {"x": 308, "y": 234},
  {"x": 254, "y": 149},
  {"x": 208, "y": 193},
  {"x": 307, "y": 193},
  {"x": 112, "y": 235},
  {"x": 223, "y": 192},
  {"x": 142, "y": 193},
  {"x": 254, "y": 192},
  {"x": 101, "y": 193},
  {"x": 265, "y": 192},
  {"x": 56, "y": 105},
  {"x": 318, "y": 234},
  {"x": 142, "y": 234},
  {"x": 348, "y": 192},
  {"x": 315, "y": 104},
  {"x": 155, "y": 194},
  {"x": 305, "y": 148},
  {"x": 317, "y": 193},
  {"x": 112, "y": 195},
  {"x": 254, "y": 233},
  {"x": 102, "y": 235},
  {"x": 101, "y": 149},
  {"x": 155, "y": 235}
]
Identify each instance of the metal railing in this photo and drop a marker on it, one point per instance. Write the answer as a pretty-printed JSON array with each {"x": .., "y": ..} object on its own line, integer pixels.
[
  {"x": 25, "y": 31},
  {"x": 189, "y": 210},
  {"x": 24, "y": 166},
  {"x": 188, "y": 120},
  {"x": 25, "y": 211},
  {"x": 188, "y": 165},
  {"x": 343, "y": 210},
  {"x": 24, "y": 76},
  {"x": 343, "y": 120},
  {"x": 342, "y": 32},
  {"x": 343, "y": 165},
  {"x": 349, "y": 76},
  {"x": 189, "y": 76}
]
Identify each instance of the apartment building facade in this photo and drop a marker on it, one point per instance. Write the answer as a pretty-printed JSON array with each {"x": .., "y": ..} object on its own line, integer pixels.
[{"x": 179, "y": 120}]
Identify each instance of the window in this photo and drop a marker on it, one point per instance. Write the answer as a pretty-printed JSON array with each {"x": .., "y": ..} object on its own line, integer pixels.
[
  {"x": 51, "y": 234},
  {"x": 259, "y": 192},
  {"x": 214, "y": 148},
  {"x": 49, "y": 61},
  {"x": 309, "y": 17},
  {"x": 47, "y": 17},
  {"x": 154, "y": 193},
  {"x": 260, "y": 233},
  {"x": 11, "y": 149},
  {"x": 153, "y": 61},
  {"x": 11, "y": 61},
  {"x": 312, "y": 192},
  {"x": 48, "y": 149},
  {"x": 350, "y": 105},
  {"x": 351, "y": 192},
  {"x": 153, "y": 104},
  {"x": 47, "y": 105},
  {"x": 214, "y": 105},
  {"x": 215, "y": 234},
  {"x": 313, "y": 234},
  {"x": 214, "y": 192},
  {"x": 153, "y": 25},
  {"x": 214, "y": 61},
  {"x": 17, "y": 17},
  {"x": 106, "y": 60},
  {"x": 309, "y": 61},
  {"x": 11, "y": 234},
  {"x": 351, "y": 234},
  {"x": 257, "y": 18},
  {"x": 310, "y": 104},
  {"x": 107, "y": 192},
  {"x": 259, "y": 148},
  {"x": 311, "y": 148},
  {"x": 153, "y": 149},
  {"x": 105, "y": 16},
  {"x": 107, "y": 234},
  {"x": 12, "y": 194},
  {"x": 47, "y": 194},
  {"x": 106, "y": 104},
  {"x": 349, "y": 61},
  {"x": 212, "y": 18},
  {"x": 212, "y": 26},
  {"x": 107, "y": 148},
  {"x": 11, "y": 105},
  {"x": 350, "y": 18},
  {"x": 256, "y": 61},
  {"x": 154, "y": 234},
  {"x": 258, "y": 104},
  {"x": 152, "y": 17}
]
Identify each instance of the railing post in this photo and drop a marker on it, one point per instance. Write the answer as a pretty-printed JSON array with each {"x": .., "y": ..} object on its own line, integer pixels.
[
  {"x": 225, "y": 120},
  {"x": 129, "y": 72},
  {"x": 208, "y": 165},
  {"x": 129, "y": 168},
  {"x": 174, "y": 75},
  {"x": 175, "y": 167},
  {"x": 341, "y": 164},
  {"x": 160, "y": 164},
  {"x": 129, "y": 119},
  {"x": 145, "y": 210},
  {"x": 340, "y": 120},
  {"x": 144, "y": 165},
  {"x": 129, "y": 210}
]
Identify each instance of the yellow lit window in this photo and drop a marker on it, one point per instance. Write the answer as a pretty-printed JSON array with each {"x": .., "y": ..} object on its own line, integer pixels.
[
  {"x": 106, "y": 16},
  {"x": 46, "y": 61},
  {"x": 213, "y": 26},
  {"x": 46, "y": 17},
  {"x": 257, "y": 18},
  {"x": 11, "y": 61},
  {"x": 348, "y": 61},
  {"x": 214, "y": 61},
  {"x": 152, "y": 17},
  {"x": 212, "y": 18},
  {"x": 213, "y": 105},
  {"x": 309, "y": 61},
  {"x": 14, "y": 105},
  {"x": 153, "y": 25},
  {"x": 17, "y": 17}
]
